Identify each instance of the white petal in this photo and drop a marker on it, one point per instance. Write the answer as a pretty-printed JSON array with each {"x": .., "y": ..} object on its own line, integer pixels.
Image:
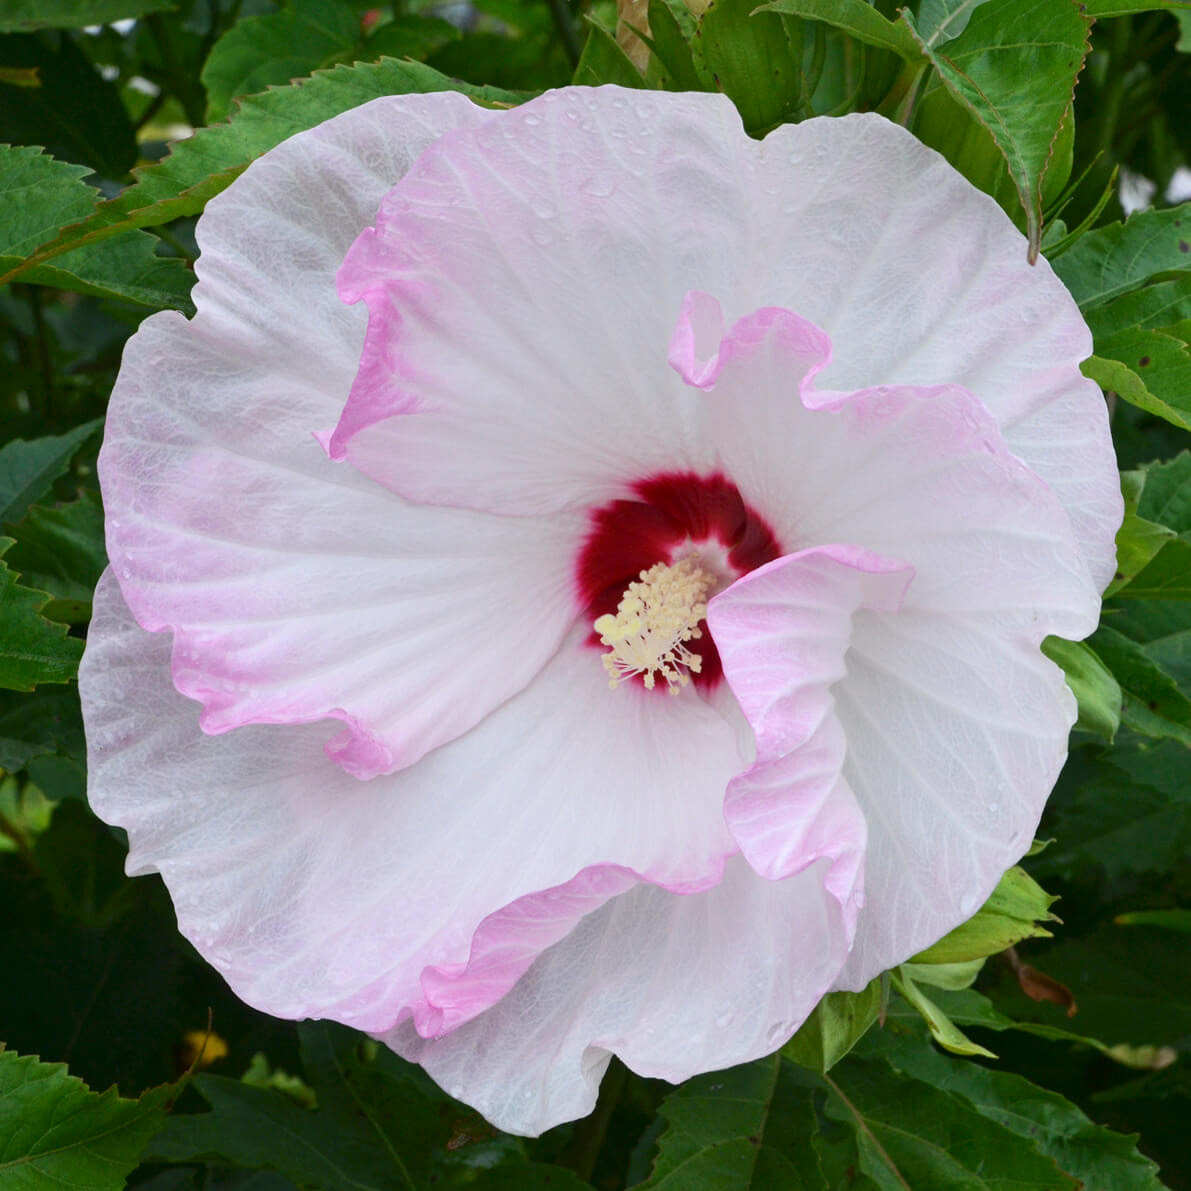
[
  {"x": 673, "y": 985},
  {"x": 297, "y": 588},
  {"x": 955, "y": 738},
  {"x": 317, "y": 895}
]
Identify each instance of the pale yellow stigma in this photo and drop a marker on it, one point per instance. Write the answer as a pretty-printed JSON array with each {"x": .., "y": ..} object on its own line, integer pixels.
[{"x": 653, "y": 622}]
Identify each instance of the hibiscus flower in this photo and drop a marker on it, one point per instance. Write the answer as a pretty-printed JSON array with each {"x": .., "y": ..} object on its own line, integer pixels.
[{"x": 593, "y": 605}]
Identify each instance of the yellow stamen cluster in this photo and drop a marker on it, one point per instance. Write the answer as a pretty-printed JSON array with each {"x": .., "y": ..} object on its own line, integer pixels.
[{"x": 653, "y": 622}]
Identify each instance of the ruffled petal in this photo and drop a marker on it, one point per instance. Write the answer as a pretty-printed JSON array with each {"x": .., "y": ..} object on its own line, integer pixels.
[
  {"x": 955, "y": 724},
  {"x": 522, "y": 282},
  {"x": 297, "y": 589},
  {"x": 920, "y": 279},
  {"x": 427, "y": 891},
  {"x": 673, "y": 985},
  {"x": 919, "y": 474},
  {"x": 782, "y": 632}
]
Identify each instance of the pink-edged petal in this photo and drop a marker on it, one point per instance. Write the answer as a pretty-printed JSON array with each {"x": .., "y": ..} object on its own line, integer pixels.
[
  {"x": 522, "y": 283},
  {"x": 782, "y": 632},
  {"x": 318, "y": 895},
  {"x": 955, "y": 724},
  {"x": 298, "y": 589},
  {"x": 955, "y": 738},
  {"x": 920, "y": 279},
  {"x": 918, "y": 474},
  {"x": 674, "y": 985}
]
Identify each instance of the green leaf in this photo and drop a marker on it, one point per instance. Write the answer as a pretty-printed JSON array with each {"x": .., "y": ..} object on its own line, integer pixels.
[
  {"x": 673, "y": 42},
  {"x": 32, "y": 649},
  {"x": 1157, "y": 306},
  {"x": 64, "y": 1135},
  {"x": 205, "y": 164},
  {"x": 263, "y": 51},
  {"x": 858, "y": 19},
  {"x": 1138, "y": 541},
  {"x": 717, "y": 1133},
  {"x": 1097, "y": 1156},
  {"x": 1120, "y": 257},
  {"x": 941, "y": 21},
  {"x": 966, "y": 1007},
  {"x": 40, "y": 195},
  {"x": 71, "y": 110},
  {"x": 1014, "y": 67},
  {"x": 23, "y": 16},
  {"x": 603, "y": 61},
  {"x": 61, "y": 550},
  {"x": 1012, "y": 913},
  {"x": 1165, "y": 495},
  {"x": 1097, "y": 693},
  {"x": 910, "y": 1134},
  {"x": 1148, "y": 368},
  {"x": 29, "y": 468},
  {"x": 33, "y": 725},
  {"x": 1153, "y": 704},
  {"x": 945, "y": 1032},
  {"x": 1127, "y": 812},
  {"x": 839, "y": 1021},
  {"x": 754, "y": 61}
]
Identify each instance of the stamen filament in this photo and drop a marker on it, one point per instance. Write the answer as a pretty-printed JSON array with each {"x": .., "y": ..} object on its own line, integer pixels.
[{"x": 655, "y": 618}]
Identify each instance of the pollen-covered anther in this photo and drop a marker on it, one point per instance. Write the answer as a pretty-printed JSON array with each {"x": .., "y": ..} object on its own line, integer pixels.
[{"x": 655, "y": 618}]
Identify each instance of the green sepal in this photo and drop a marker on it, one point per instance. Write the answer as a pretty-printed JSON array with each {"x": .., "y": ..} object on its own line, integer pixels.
[
  {"x": 839, "y": 1021},
  {"x": 1014, "y": 911},
  {"x": 1096, "y": 691}
]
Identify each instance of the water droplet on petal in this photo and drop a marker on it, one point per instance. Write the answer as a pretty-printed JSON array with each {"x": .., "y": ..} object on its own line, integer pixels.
[
  {"x": 541, "y": 236},
  {"x": 598, "y": 187},
  {"x": 968, "y": 903}
]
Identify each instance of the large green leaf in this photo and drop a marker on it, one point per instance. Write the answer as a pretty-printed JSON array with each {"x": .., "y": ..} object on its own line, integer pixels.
[
  {"x": 58, "y": 1133},
  {"x": 306, "y": 35},
  {"x": 22, "y": 16},
  {"x": 32, "y": 649},
  {"x": 745, "y": 1129},
  {"x": 858, "y": 19},
  {"x": 34, "y": 725},
  {"x": 603, "y": 61},
  {"x": 40, "y": 195},
  {"x": 1095, "y": 1155},
  {"x": 1153, "y": 704},
  {"x": 28, "y": 469},
  {"x": 205, "y": 164},
  {"x": 1148, "y": 368},
  {"x": 756, "y": 60},
  {"x": 1158, "y": 305},
  {"x": 941, "y": 21},
  {"x": 61, "y": 550},
  {"x": 1014, "y": 67},
  {"x": 1127, "y": 812},
  {"x": 1120, "y": 257},
  {"x": 910, "y": 1134}
]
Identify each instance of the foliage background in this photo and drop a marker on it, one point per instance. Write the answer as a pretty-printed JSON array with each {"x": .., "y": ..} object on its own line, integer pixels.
[{"x": 1092, "y": 1025}]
